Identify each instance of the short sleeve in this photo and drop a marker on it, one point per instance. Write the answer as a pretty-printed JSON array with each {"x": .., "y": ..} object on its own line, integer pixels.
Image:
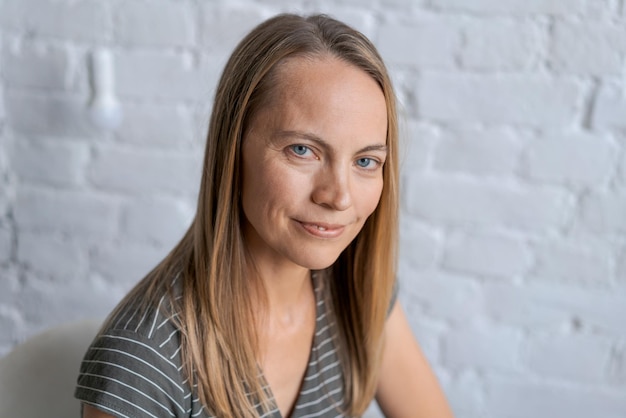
[{"x": 127, "y": 375}]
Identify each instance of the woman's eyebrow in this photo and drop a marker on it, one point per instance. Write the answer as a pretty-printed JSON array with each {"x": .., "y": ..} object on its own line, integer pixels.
[
  {"x": 323, "y": 144},
  {"x": 304, "y": 135},
  {"x": 378, "y": 147}
]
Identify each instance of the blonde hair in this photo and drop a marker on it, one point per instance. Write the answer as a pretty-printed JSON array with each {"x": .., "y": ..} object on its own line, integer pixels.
[{"x": 218, "y": 336}]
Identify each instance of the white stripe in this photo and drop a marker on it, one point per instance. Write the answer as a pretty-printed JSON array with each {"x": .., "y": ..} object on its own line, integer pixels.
[
  {"x": 141, "y": 321},
  {"x": 320, "y": 413},
  {"x": 315, "y": 402},
  {"x": 138, "y": 391},
  {"x": 326, "y": 341},
  {"x": 156, "y": 315},
  {"x": 269, "y": 413},
  {"x": 168, "y": 338},
  {"x": 118, "y": 397},
  {"x": 165, "y": 321},
  {"x": 136, "y": 374},
  {"x": 144, "y": 362},
  {"x": 129, "y": 319},
  {"x": 324, "y": 383},
  {"x": 320, "y": 358},
  {"x": 199, "y": 412},
  {"x": 115, "y": 337},
  {"x": 175, "y": 279},
  {"x": 321, "y": 331},
  {"x": 330, "y": 366},
  {"x": 176, "y": 352}
]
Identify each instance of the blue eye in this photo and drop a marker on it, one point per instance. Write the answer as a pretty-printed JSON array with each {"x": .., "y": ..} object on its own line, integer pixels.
[
  {"x": 365, "y": 162},
  {"x": 299, "y": 149}
]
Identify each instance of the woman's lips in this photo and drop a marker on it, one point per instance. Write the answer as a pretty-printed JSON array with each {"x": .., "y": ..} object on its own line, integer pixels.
[{"x": 323, "y": 230}]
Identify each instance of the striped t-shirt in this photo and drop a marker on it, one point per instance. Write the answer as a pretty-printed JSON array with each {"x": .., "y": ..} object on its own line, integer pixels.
[{"x": 133, "y": 369}]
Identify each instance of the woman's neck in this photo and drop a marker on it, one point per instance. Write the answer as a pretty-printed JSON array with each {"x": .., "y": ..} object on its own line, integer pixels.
[{"x": 286, "y": 286}]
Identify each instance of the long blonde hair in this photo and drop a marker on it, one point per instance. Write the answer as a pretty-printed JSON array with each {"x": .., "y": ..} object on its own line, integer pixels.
[{"x": 218, "y": 336}]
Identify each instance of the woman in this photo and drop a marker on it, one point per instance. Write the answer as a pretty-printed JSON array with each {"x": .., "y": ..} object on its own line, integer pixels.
[{"x": 279, "y": 300}]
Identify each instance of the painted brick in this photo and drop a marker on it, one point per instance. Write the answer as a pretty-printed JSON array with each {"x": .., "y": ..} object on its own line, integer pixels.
[
  {"x": 512, "y": 7},
  {"x": 617, "y": 365},
  {"x": 3, "y": 111},
  {"x": 360, "y": 18},
  {"x": 50, "y": 163},
  {"x": 125, "y": 263},
  {"x": 10, "y": 324},
  {"x": 116, "y": 169},
  {"x": 493, "y": 152},
  {"x": 503, "y": 45},
  {"x": 73, "y": 20},
  {"x": 572, "y": 262},
  {"x": 486, "y": 254},
  {"x": 417, "y": 142},
  {"x": 588, "y": 48},
  {"x": 159, "y": 221},
  {"x": 428, "y": 334},
  {"x": 466, "y": 394},
  {"x": 593, "y": 308},
  {"x": 489, "y": 62},
  {"x": 550, "y": 400},
  {"x": 141, "y": 75},
  {"x": 603, "y": 9},
  {"x": 503, "y": 99},
  {"x": 610, "y": 107},
  {"x": 135, "y": 23},
  {"x": 86, "y": 215},
  {"x": 427, "y": 44},
  {"x": 6, "y": 242},
  {"x": 223, "y": 28},
  {"x": 4, "y": 205},
  {"x": 621, "y": 267},
  {"x": 573, "y": 357},
  {"x": 9, "y": 284},
  {"x": 483, "y": 346},
  {"x": 456, "y": 296},
  {"x": 51, "y": 256},
  {"x": 35, "y": 66},
  {"x": 622, "y": 170},
  {"x": 577, "y": 159},
  {"x": 162, "y": 126},
  {"x": 604, "y": 212},
  {"x": 32, "y": 114},
  {"x": 371, "y": 3},
  {"x": 524, "y": 306},
  {"x": 46, "y": 304},
  {"x": 467, "y": 203},
  {"x": 419, "y": 245}
]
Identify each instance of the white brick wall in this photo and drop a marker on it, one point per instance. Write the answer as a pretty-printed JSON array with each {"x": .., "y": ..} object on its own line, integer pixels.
[{"x": 513, "y": 240}]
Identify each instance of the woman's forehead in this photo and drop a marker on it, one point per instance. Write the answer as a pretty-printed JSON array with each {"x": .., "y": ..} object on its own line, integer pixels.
[{"x": 327, "y": 98}]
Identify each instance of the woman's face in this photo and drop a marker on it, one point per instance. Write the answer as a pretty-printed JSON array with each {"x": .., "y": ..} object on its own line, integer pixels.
[{"x": 312, "y": 163}]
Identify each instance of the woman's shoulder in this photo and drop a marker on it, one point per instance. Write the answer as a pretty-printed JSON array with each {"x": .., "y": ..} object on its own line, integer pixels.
[
  {"x": 134, "y": 361},
  {"x": 153, "y": 318}
]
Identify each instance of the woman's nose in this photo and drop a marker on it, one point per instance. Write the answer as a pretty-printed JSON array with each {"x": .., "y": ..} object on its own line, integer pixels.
[{"x": 332, "y": 189}]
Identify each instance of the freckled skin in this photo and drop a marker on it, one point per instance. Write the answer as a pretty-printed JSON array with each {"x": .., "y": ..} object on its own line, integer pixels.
[{"x": 313, "y": 155}]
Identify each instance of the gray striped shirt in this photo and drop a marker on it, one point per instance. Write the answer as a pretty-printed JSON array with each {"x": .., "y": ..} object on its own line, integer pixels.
[{"x": 133, "y": 369}]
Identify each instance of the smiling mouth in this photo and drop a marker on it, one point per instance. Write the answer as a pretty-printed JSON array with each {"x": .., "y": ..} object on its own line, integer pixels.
[{"x": 322, "y": 230}]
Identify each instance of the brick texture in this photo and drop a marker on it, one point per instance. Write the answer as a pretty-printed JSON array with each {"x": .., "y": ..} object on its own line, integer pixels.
[{"x": 512, "y": 261}]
